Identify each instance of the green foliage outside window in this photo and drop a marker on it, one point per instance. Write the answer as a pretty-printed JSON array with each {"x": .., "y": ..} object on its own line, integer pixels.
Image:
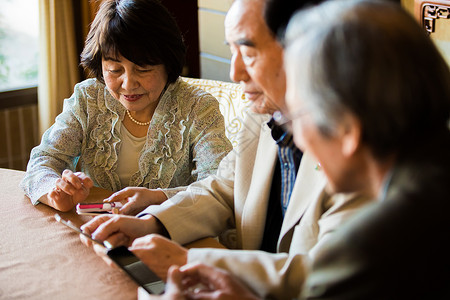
[{"x": 18, "y": 44}]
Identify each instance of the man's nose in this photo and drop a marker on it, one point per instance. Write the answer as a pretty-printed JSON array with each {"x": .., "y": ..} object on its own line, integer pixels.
[{"x": 238, "y": 70}]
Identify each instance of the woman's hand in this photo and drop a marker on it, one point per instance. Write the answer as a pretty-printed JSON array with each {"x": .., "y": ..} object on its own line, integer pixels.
[
  {"x": 136, "y": 199},
  {"x": 159, "y": 253},
  {"x": 71, "y": 189}
]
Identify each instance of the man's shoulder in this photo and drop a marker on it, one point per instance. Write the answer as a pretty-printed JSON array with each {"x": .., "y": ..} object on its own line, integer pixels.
[{"x": 254, "y": 136}]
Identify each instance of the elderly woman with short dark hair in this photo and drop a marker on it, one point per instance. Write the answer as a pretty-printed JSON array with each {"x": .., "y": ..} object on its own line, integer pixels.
[{"x": 137, "y": 123}]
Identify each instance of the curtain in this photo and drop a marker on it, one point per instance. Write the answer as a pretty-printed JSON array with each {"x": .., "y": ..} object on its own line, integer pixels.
[{"x": 63, "y": 26}]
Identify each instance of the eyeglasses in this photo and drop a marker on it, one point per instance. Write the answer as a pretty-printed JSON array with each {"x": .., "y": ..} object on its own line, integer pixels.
[{"x": 285, "y": 119}]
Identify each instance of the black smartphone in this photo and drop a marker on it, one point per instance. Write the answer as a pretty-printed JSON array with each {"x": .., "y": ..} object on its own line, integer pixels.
[{"x": 137, "y": 270}]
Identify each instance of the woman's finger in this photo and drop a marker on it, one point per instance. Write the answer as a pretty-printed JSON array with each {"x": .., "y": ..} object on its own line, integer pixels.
[
  {"x": 70, "y": 177},
  {"x": 86, "y": 181},
  {"x": 126, "y": 208},
  {"x": 120, "y": 196},
  {"x": 65, "y": 186}
]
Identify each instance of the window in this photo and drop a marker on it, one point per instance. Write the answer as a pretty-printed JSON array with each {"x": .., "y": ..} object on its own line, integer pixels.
[{"x": 19, "y": 45}]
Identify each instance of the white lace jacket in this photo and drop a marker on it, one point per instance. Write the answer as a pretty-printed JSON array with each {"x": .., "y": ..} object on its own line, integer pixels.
[{"x": 185, "y": 142}]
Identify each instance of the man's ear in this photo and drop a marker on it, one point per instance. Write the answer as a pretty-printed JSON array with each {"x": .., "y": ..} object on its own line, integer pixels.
[{"x": 350, "y": 135}]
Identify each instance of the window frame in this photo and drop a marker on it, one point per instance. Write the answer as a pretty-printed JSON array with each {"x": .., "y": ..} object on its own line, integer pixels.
[{"x": 18, "y": 97}]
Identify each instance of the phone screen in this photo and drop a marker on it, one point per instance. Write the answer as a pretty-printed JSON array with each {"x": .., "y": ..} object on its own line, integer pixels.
[{"x": 137, "y": 270}]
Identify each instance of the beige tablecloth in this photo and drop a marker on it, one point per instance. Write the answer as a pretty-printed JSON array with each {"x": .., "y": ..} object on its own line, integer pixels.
[{"x": 42, "y": 259}]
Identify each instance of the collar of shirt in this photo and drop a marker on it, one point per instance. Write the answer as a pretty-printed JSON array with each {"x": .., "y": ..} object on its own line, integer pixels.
[
  {"x": 386, "y": 183},
  {"x": 281, "y": 137}
]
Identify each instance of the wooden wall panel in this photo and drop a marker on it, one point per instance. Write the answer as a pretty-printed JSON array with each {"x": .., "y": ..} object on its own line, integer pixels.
[
  {"x": 218, "y": 5},
  {"x": 212, "y": 34},
  {"x": 19, "y": 134},
  {"x": 214, "y": 53}
]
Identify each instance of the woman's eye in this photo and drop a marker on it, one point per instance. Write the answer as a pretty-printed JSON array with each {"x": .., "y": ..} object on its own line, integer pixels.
[
  {"x": 114, "y": 71},
  {"x": 144, "y": 70}
]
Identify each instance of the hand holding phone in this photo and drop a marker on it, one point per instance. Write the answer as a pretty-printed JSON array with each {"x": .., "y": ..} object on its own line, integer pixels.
[
  {"x": 136, "y": 269},
  {"x": 126, "y": 260}
]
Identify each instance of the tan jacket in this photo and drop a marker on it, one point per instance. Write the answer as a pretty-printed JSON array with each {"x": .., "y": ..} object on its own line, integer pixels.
[{"x": 237, "y": 197}]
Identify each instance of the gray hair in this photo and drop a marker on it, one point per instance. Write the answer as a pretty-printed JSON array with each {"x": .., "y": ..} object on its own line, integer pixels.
[{"x": 371, "y": 59}]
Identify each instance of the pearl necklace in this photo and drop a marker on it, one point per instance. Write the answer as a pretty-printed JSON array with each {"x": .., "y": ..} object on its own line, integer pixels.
[{"x": 136, "y": 121}]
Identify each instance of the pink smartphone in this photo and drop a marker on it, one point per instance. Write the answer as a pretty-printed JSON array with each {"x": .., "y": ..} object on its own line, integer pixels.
[{"x": 97, "y": 208}]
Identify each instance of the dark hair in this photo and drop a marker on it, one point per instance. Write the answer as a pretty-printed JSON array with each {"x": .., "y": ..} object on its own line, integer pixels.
[
  {"x": 372, "y": 59},
  {"x": 143, "y": 31},
  {"x": 278, "y": 12}
]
